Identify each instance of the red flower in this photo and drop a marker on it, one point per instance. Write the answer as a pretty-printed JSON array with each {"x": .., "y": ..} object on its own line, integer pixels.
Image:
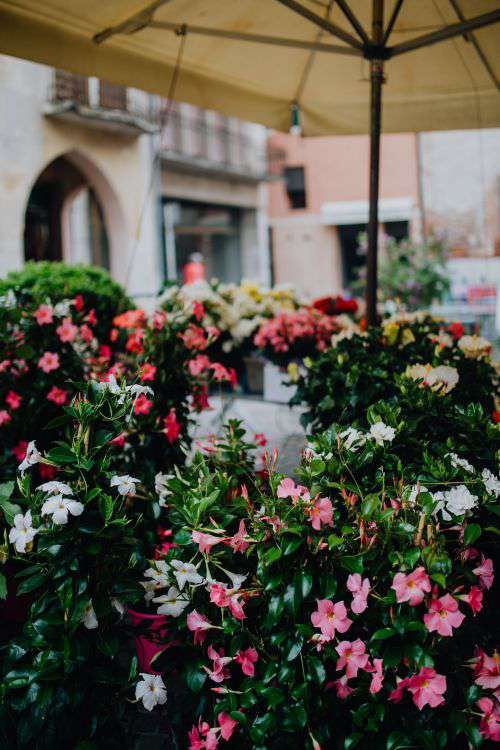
[
  {"x": 148, "y": 372},
  {"x": 79, "y": 302},
  {"x": 5, "y": 417},
  {"x": 457, "y": 330},
  {"x": 57, "y": 395},
  {"x": 200, "y": 398},
  {"x": 105, "y": 352},
  {"x": 172, "y": 426},
  {"x": 20, "y": 449},
  {"x": 13, "y": 400},
  {"x": 47, "y": 472},
  {"x": 496, "y": 416},
  {"x": 143, "y": 405},
  {"x": 86, "y": 333},
  {"x": 198, "y": 311},
  {"x": 91, "y": 318}
]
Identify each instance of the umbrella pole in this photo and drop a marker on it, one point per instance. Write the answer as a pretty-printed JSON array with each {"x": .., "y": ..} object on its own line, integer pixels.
[{"x": 376, "y": 81}]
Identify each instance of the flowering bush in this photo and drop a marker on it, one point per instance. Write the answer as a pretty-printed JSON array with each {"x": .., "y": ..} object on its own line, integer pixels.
[
  {"x": 232, "y": 312},
  {"x": 300, "y": 334},
  {"x": 89, "y": 286},
  {"x": 77, "y": 542},
  {"x": 44, "y": 349},
  {"x": 362, "y": 367},
  {"x": 352, "y": 606}
]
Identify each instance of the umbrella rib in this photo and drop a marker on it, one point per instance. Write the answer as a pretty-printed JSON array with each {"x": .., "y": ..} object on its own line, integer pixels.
[
  {"x": 133, "y": 23},
  {"x": 310, "y": 59},
  {"x": 258, "y": 38},
  {"x": 447, "y": 32},
  {"x": 332, "y": 28},
  {"x": 477, "y": 46},
  {"x": 392, "y": 20},
  {"x": 353, "y": 20}
]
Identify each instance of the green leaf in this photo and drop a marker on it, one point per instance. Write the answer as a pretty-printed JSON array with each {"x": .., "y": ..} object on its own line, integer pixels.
[
  {"x": 370, "y": 505},
  {"x": 292, "y": 546},
  {"x": 106, "y": 507},
  {"x": 3, "y": 586},
  {"x": 30, "y": 584},
  {"x": 334, "y": 541},
  {"x": 472, "y": 533},
  {"x": 6, "y": 490},
  {"x": 317, "y": 467},
  {"x": 352, "y": 563},
  {"x": 382, "y": 634},
  {"x": 295, "y": 650},
  {"x": 306, "y": 582},
  {"x": 62, "y": 454},
  {"x": 195, "y": 679},
  {"x": 272, "y": 555}
]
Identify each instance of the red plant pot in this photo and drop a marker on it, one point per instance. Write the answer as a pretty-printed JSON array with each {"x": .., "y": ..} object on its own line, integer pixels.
[{"x": 154, "y": 641}]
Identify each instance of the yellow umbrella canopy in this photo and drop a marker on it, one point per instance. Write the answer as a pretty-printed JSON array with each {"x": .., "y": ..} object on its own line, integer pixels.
[{"x": 329, "y": 62}]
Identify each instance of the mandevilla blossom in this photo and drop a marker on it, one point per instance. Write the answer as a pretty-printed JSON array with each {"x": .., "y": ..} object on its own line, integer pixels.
[
  {"x": 342, "y": 688},
  {"x": 151, "y": 690},
  {"x": 413, "y": 587},
  {"x": 219, "y": 671},
  {"x": 487, "y": 670},
  {"x": 360, "y": 588},
  {"x": 48, "y": 362},
  {"x": 474, "y": 599},
  {"x": 44, "y": 314},
  {"x": 5, "y": 417},
  {"x": 172, "y": 603},
  {"x": 161, "y": 487},
  {"x": 198, "y": 624},
  {"x": 247, "y": 658},
  {"x": 13, "y": 400},
  {"x": 55, "y": 488},
  {"x": 331, "y": 617},
  {"x": 378, "y": 676},
  {"x": 443, "y": 615},
  {"x": 22, "y": 533},
  {"x": 353, "y": 439},
  {"x": 185, "y": 573},
  {"x": 57, "y": 395},
  {"x": 31, "y": 458},
  {"x": 485, "y": 573},
  {"x": 143, "y": 405},
  {"x": 227, "y": 725},
  {"x": 352, "y": 656},
  {"x": 172, "y": 426},
  {"x": 159, "y": 573},
  {"x": 490, "y": 719},
  {"x": 148, "y": 372},
  {"x": 205, "y": 541},
  {"x": 382, "y": 433},
  {"x": 460, "y": 463},
  {"x": 203, "y": 737},
  {"x": 287, "y": 488},
  {"x": 125, "y": 484},
  {"x": 58, "y": 507},
  {"x": 67, "y": 331},
  {"x": 89, "y": 618},
  {"x": 427, "y": 688},
  {"x": 491, "y": 482},
  {"x": 238, "y": 542},
  {"x": 455, "y": 502},
  {"x": 321, "y": 513}
]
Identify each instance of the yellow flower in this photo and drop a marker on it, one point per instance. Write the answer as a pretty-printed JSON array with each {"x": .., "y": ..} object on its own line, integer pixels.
[{"x": 293, "y": 371}]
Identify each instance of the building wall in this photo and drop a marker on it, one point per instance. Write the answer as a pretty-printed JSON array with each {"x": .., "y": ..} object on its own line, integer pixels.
[
  {"x": 306, "y": 249},
  {"x": 117, "y": 166}
]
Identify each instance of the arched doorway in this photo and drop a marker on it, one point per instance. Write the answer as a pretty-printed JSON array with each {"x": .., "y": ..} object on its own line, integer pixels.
[{"x": 65, "y": 219}]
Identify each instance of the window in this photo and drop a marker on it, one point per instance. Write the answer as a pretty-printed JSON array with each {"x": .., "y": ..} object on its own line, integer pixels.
[
  {"x": 350, "y": 236},
  {"x": 295, "y": 183}
]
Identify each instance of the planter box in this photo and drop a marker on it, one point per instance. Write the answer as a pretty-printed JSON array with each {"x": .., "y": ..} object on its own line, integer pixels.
[
  {"x": 274, "y": 390},
  {"x": 254, "y": 375}
]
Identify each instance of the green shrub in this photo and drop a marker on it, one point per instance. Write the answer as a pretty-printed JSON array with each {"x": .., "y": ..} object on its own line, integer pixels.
[{"x": 58, "y": 281}]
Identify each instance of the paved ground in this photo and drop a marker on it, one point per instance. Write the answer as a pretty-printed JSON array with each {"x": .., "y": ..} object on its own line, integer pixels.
[{"x": 278, "y": 422}]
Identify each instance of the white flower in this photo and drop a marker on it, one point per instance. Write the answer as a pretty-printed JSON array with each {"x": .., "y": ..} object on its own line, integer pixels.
[
  {"x": 118, "y": 605},
  {"x": 8, "y": 300},
  {"x": 353, "y": 439},
  {"x": 88, "y": 618},
  {"x": 125, "y": 484},
  {"x": 32, "y": 457},
  {"x": 172, "y": 603},
  {"x": 442, "y": 379},
  {"x": 22, "y": 533},
  {"x": 55, "y": 488},
  {"x": 455, "y": 502},
  {"x": 413, "y": 494},
  {"x": 58, "y": 507},
  {"x": 460, "y": 462},
  {"x": 475, "y": 347},
  {"x": 491, "y": 482},
  {"x": 152, "y": 690},
  {"x": 185, "y": 573},
  {"x": 235, "y": 578},
  {"x": 159, "y": 573},
  {"x": 62, "y": 309},
  {"x": 381, "y": 433},
  {"x": 151, "y": 587},
  {"x": 417, "y": 372},
  {"x": 161, "y": 486},
  {"x": 138, "y": 390}
]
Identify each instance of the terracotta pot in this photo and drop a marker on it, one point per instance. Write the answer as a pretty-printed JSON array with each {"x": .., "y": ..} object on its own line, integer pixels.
[{"x": 152, "y": 642}]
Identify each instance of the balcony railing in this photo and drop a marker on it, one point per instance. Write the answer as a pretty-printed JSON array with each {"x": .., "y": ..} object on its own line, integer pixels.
[{"x": 102, "y": 104}]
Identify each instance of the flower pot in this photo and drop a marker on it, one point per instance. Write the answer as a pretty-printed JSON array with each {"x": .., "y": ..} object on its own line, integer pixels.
[
  {"x": 153, "y": 638},
  {"x": 254, "y": 375}
]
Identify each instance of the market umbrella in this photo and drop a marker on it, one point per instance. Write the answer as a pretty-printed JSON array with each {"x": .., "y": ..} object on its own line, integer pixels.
[{"x": 323, "y": 61}]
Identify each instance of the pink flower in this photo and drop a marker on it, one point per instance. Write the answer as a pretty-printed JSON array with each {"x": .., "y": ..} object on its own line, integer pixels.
[
  {"x": 342, "y": 688},
  {"x": 353, "y": 657},
  {"x": 219, "y": 671},
  {"x": 219, "y": 594},
  {"x": 199, "y": 364},
  {"x": 487, "y": 670},
  {"x": 260, "y": 439},
  {"x": 360, "y": 588},
  {"x": 443, "y": 615},
  {"x": 204, "y": 541},
  {"x": 331, "y": 617},
  {"x": 172, "y": 426},
  {"x": 427, "y": 687},
  {"x": 57, "y": 395},
  {"x": 238, "y": 542},
  {"x": 44, "y": 314},
  {"x": 86, "y": 333},
  {"x": 220, "y": 372},
  {"x": 397, "y": 694},
  {"x": 485, "y": 573},
  {"x": 227, "y": 725},
  {"x": 143, "y": 404},
  {"x": 413, "y": 587},
  {"x": 67, "y": 330},
  {"x": 474, "y": 599},
  {"x": 378, "y": 676},
  {"x": 203, "y": 737},
  {"x": 287, "y": 488},
  {"x": 236, "y": 607},
  {"x": 490, "y": 719},
  {"x": 5, "y": 417},
  {"x": 49, "y": 362},
  {"x": 321, "y": 512},
  {"x": 198, "y": 624},
  {"x": 13, "y": 400},
  {"x": 20, "y": 449},
  {"x": 247, "y": 659},
  {"x": 148, "y": 372}
]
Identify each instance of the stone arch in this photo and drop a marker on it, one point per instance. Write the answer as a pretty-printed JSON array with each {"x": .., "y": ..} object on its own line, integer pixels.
[{"x": 49, "y": 213}]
